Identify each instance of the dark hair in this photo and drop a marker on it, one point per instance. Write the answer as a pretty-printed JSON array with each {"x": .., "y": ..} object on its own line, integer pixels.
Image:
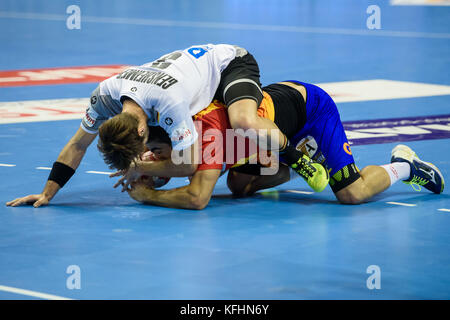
[
  {"x": 158, "y": 134},
  {"x": 119, "y": 141}
]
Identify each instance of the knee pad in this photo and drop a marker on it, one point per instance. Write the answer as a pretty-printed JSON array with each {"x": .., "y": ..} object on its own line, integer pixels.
[{"x": 242, "y": 89}]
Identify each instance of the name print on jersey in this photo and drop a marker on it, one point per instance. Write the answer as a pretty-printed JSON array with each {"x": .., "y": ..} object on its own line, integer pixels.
[{"x": 158, "y": 78}]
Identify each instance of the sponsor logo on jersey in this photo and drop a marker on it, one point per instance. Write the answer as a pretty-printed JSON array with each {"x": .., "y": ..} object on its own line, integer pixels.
[
  {"x": 347, "y": 149},
  {"x": 197, "y": 52},
  {"x": 93, "y": 100},
  {"x": 180, "y": 133},
  {"x": 90, "y": 117},
  {"x": 308, "y": 146},
  {"x": 134, "y": 89},
  {"x": 168, "y": 121}
]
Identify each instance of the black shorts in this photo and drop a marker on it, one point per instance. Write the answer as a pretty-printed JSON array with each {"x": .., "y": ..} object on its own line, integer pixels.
[
  {"x": 240, "y": 80},
  {"x": 289, "y": 106}
]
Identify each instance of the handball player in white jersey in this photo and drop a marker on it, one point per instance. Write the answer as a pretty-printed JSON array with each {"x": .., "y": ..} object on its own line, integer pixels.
[{"x": 168, "y": 92}]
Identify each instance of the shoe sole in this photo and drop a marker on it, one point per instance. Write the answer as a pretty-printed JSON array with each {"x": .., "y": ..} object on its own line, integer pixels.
[
  {"x": 410, "y": 156},
  {"x": 407, "y": 154}
]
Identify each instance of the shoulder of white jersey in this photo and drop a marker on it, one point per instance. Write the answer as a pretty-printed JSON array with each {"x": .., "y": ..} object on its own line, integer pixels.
[
  {"x": 88, "y": 122},
  {"x": 101, "y": 107}
]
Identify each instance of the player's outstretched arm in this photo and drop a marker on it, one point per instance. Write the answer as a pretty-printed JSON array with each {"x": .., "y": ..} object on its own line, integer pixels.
[
  {"x": 70, "y": 157},
  {"x": 196, "y": 195}
]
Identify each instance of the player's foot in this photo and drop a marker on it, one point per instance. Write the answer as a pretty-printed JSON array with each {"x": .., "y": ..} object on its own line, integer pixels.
[
  {"x": 314, "y": 173},
  {"x": 422, "y": 173}
]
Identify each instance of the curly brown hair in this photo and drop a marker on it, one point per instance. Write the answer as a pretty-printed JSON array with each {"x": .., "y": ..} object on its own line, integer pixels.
[{"x": 119, "y": 141}]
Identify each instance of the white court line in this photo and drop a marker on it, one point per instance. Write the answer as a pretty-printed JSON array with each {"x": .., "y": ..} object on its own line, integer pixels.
[
  {"x": 43, "y": 168},
  {"x": 226, "y": 26},
  {"x": 402, "y": 204},
  {"x": 445, "y": 210},
  {"x": 299, "y": 191},
  {"x": 7, "y": 165},
  {"x": 30, "y": 293},
  {"x": 99, "y": 172}
]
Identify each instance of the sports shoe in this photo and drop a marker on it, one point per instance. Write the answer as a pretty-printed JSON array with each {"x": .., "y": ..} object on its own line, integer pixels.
[
  {"x": 314, "y": 173},
  {"x": 422, "y": 173}
]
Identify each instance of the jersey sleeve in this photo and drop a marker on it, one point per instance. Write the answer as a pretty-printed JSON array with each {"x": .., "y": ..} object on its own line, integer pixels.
[
  {"x": 178, "y": 124},
  {"x": 95, "y": 113}
]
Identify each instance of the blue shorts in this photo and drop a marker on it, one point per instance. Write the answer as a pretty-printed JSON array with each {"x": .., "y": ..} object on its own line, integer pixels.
[{"x": 323, "y": 137}]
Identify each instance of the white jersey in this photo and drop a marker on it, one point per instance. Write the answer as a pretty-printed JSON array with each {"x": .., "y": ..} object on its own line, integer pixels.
[{"x": 170, "y": 90}]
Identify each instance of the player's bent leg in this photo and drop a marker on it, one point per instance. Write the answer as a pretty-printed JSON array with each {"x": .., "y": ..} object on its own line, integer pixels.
[
  {"x": 372, "y": 180},
  {"x": 239, "y": 183},
  {"x": 243, "y": 115}
]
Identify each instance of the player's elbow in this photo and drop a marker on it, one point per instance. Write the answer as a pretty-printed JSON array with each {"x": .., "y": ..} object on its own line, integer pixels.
[{"x": 198, "y": 200}]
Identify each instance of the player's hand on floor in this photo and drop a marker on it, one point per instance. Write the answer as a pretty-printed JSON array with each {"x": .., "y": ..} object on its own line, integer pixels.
[
  {"x": 129, "y": 176},
  {"x": 137, "y": 191},
  {"x": 121, "y": 180},
  {"x": 36, "y": 200}
]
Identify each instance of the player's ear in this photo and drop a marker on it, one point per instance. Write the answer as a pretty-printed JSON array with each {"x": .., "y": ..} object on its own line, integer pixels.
[{"x": 141, "y": 130}]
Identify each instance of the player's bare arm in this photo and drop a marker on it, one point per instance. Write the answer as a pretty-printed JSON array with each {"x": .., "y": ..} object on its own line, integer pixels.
[
  {"x": 70, "y": 156},
  {"x": 162, "y": 168},
  {"x": 196, "y": 195}
]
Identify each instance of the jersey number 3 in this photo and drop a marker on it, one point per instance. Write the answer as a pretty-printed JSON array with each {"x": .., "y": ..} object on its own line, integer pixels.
[{"x": 163, "y": 63}]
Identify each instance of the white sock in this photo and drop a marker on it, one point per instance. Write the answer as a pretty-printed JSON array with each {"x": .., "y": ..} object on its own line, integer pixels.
[{"x": 397, "y": 171}]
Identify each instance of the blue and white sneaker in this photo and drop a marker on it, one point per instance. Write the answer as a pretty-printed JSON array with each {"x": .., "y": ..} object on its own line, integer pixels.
[{"x": 422, "y": 173}]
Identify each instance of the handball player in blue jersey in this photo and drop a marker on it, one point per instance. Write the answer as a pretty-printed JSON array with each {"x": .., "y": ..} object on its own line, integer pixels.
[
  {"x": 321, "y": 136},
  {"x": 309, "y": 118}
]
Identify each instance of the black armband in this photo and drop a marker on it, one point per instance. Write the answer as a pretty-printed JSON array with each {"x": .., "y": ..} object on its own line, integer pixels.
[{"x": 61, "y": 173}]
